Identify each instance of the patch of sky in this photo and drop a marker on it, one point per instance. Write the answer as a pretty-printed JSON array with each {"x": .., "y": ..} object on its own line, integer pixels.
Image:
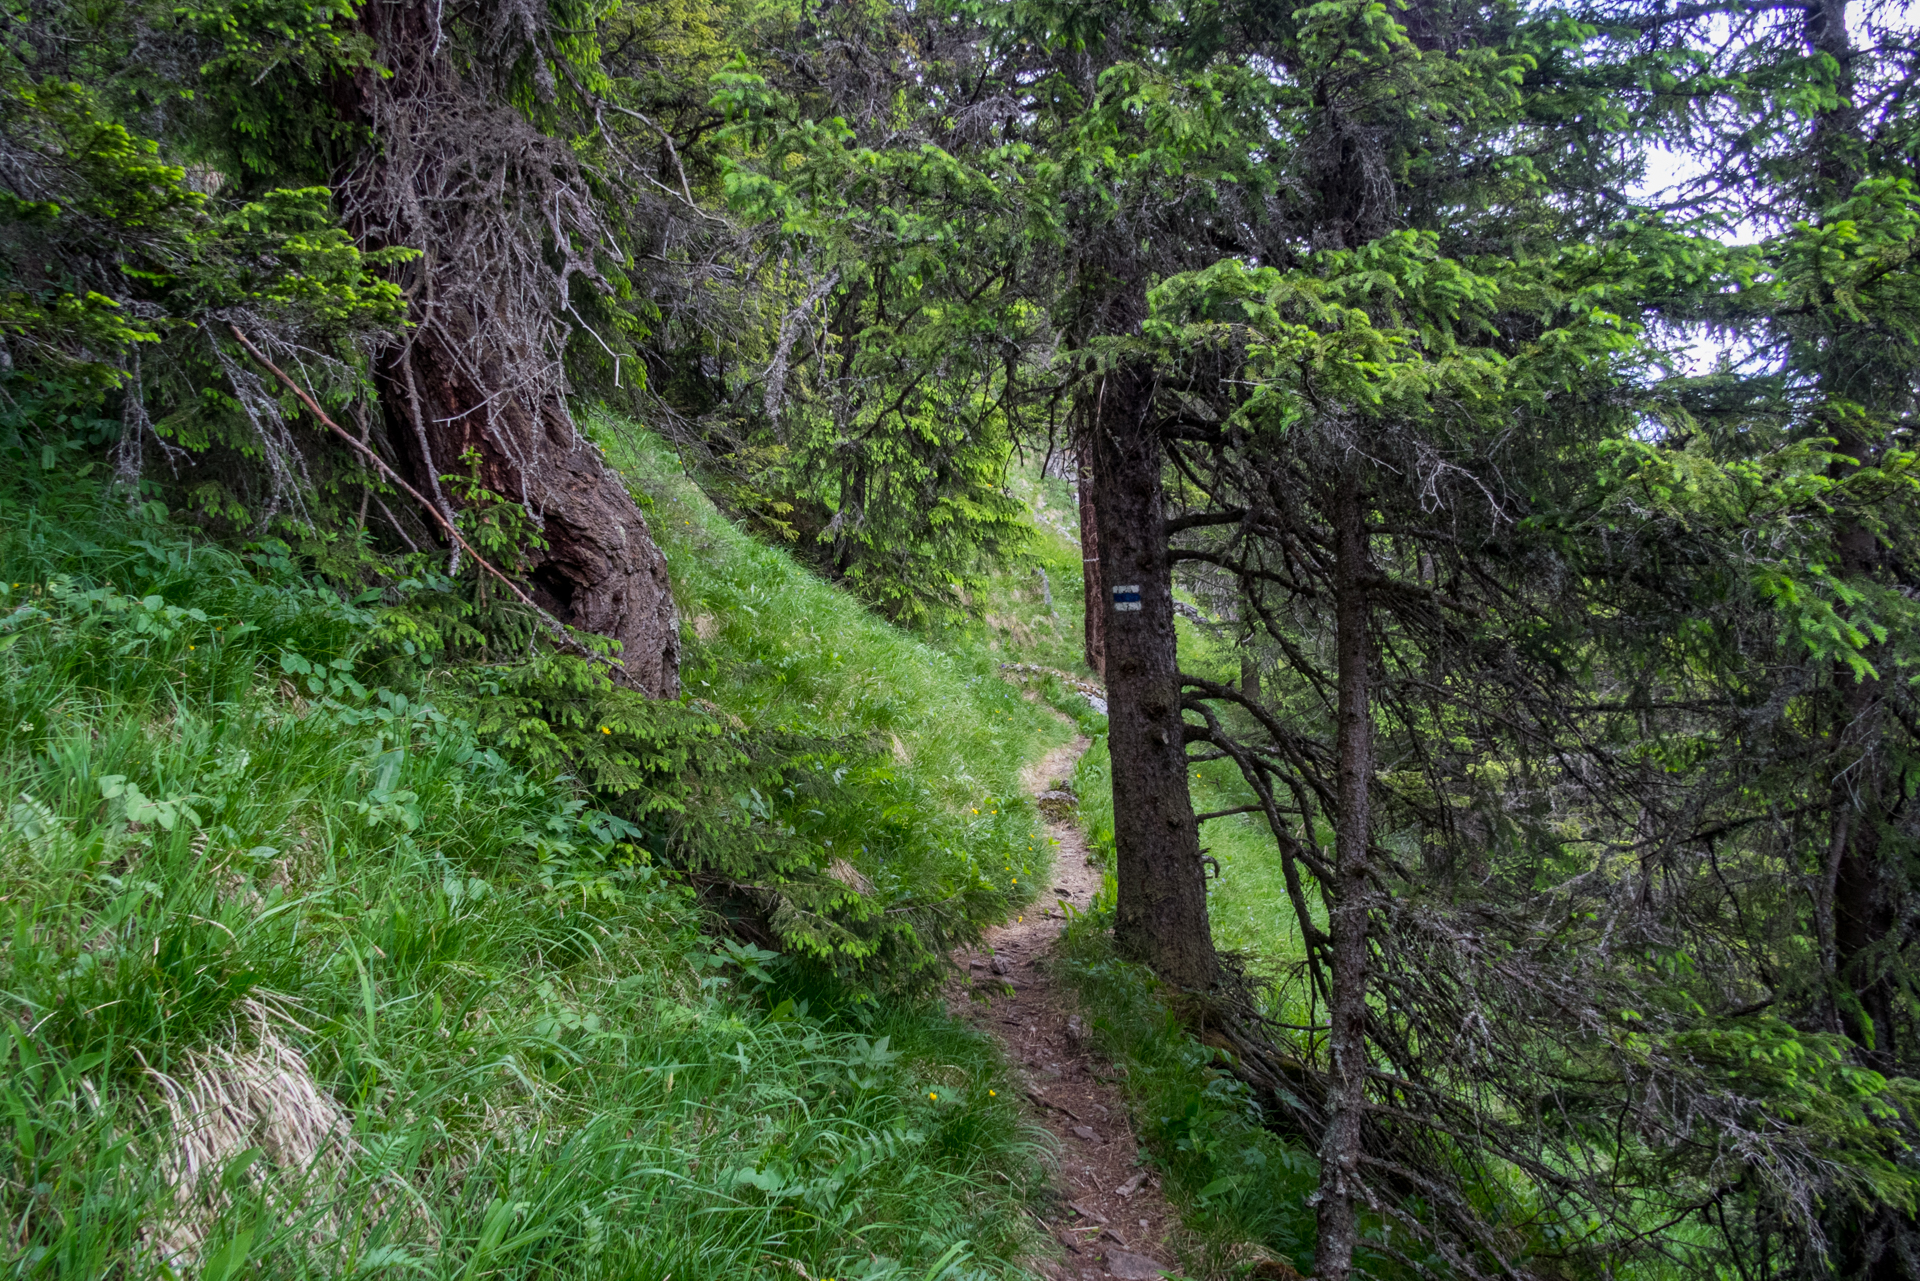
[{"x": 1688, "y": 182}]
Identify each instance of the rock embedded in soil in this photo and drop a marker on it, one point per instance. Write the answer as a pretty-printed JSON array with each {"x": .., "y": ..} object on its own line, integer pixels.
[{"x": 1128, "y": 1266}]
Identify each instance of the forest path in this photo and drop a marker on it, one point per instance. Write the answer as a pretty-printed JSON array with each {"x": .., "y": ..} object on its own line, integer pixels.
[{"x": 1110, "y": 1219}]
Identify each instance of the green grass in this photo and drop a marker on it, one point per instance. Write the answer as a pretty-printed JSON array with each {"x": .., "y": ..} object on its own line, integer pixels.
[
  {"x": 1251, "y": 912},
  {"x": 448, "y": 1021},
  {"x": 1234, "y": 1182},
  {"x": 1247, "y": 902},
  {"x": 1016, "y": 623},
  {"x": 938, "y": 812},
  {"x": 1238, "y": 1186}
]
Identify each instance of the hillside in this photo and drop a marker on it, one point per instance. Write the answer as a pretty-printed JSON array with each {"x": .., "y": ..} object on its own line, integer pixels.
[
  {"x": 307, "y": 978},
  {"x": 568, "y": 566}
]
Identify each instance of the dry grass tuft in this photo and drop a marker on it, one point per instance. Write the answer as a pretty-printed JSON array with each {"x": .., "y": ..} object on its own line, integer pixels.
[
  {"x": 230, "y": 1101},
  {"x": 849, "y": 875}
]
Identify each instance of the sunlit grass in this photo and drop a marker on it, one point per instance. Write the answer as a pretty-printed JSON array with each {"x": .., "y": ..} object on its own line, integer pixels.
[
  {"x": 779, "y": 648},
  {"x": 305, "y": 981}
]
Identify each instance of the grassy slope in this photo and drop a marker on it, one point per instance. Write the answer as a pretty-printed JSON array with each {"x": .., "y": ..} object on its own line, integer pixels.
[
  {"x": 1018, "y": 625},
  {"x": 455, "y": 1031},
  {"x": 1238, "y": 1186},
  {"x": 1248, "y": 901},
  {"x": 780, "y": 648}
]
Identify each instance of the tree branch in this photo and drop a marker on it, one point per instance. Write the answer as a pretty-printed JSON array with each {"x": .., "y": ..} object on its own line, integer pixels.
[{"x": 553, "y": 624}]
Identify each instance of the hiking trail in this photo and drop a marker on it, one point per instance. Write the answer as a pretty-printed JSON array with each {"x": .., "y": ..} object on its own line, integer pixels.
[{"x": 1110, "y": 1220}]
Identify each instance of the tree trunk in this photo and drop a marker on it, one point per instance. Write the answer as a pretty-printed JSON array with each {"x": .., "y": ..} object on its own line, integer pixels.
[
  {"x": 600, "y": 571},
  {"x": 1340, "y": 1145},
  {"x": 499, "y": 212},
  {"x": 1860, "y": 895},
  {"x": 1096, "y": 615},
  {"x": 1836, "y": 137},
  {"x": 1161, "y": 917}
]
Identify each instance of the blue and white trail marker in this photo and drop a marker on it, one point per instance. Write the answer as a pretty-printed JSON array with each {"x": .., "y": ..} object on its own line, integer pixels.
[{"x": 1126, "y": 599}]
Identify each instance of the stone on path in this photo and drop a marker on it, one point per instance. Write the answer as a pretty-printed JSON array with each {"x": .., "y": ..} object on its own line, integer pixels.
[{"x": 1128, "y": 1266}]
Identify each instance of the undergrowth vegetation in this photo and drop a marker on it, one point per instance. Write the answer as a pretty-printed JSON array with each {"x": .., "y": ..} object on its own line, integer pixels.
[
  {"x": 1032, "y": 609},
  {"x": 317, "y": 966},
  {"x": 928, "y": 743},
  {"x": 1240, "y": 1188}
]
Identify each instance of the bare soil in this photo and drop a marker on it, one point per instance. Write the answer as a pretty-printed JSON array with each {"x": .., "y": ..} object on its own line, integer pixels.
[{"x": 1109, "y": 1216}]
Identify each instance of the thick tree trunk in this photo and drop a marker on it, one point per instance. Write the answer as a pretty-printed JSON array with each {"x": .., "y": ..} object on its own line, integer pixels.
[
  {"x": 1161, "y": 917},
  {"x": 1095, "y": 627},
  {"x": 1860, "y": 892},
  {"x": 1836, "y": 137},
  {"x": 1340, "y": 1145},
  {"x": 600, "y": 571},
  {"x": 1861, "y": 895},
  {"x": 1865, "y": 881},
  {"x": 499, "y": 212}
]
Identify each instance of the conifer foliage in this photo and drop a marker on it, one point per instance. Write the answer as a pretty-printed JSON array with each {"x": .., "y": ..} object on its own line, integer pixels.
[{"x": 1493, "y": 433}]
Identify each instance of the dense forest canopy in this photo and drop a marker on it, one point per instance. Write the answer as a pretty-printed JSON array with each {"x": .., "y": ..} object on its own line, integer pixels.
[{"x": 1516, "y": 400}]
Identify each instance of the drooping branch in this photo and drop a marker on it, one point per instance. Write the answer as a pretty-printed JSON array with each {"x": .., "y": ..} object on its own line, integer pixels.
[{"x": 552, "y": 624}]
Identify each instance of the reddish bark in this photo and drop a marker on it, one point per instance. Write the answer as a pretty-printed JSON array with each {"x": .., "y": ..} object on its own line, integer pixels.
[{"x": 500, "y": 212}]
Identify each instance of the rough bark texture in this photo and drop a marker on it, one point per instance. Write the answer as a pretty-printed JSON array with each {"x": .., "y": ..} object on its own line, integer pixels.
[
  {"x": 600, "y": 571},
  {"x": 1859, "y": 894},
  {"x": 1341, "y": 1144},
  {"x": 1836, "y": 129},
  {"x": 1861, "y": 903},
  {"x": 1096, "y": 617},
  {"x": 1161, "y": 917},
  {"x": 507, "y": 226}
]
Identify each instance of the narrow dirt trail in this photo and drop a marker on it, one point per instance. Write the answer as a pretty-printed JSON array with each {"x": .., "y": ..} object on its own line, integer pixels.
[{"x": 1111, "y": 1220}]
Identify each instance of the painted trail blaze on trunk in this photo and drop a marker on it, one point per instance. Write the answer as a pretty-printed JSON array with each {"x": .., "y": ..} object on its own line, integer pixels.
[{"x": 1161, "y": 917}]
